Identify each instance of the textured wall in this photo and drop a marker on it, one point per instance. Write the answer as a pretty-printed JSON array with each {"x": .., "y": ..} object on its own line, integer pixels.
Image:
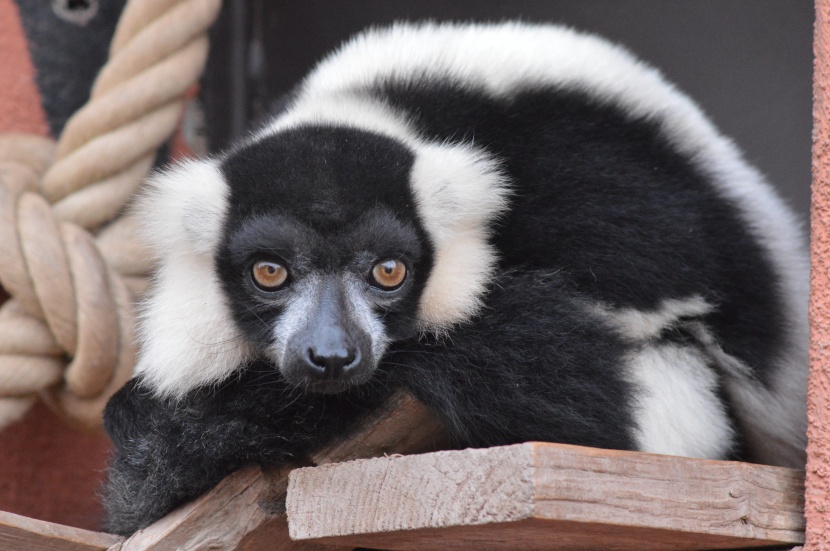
[
  {"x": 19, "y": 101},
  {"x": 817, "y": 507}
]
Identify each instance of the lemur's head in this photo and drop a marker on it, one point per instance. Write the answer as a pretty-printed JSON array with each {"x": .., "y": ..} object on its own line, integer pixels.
[
  {"x": 314, "y": 247},
  {"x": 323, "y": 258}
]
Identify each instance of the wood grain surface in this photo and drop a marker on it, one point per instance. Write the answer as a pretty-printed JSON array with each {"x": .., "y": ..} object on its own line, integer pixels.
[
  {"x": 18, "y": 533},
  {"x": 546, "y": 496}
]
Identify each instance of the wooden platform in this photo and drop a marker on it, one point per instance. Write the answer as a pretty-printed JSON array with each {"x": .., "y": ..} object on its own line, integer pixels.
[
  {"x": 546, "y": 496},
  {"x": 19, "y": 533},
  {"x": 527, "y": 496}
]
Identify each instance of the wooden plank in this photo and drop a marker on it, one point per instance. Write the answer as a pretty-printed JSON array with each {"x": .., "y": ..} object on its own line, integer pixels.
[
  {"x": 18, "y": 533},
  {"x": 246, "y": 510},
  {"x": 547, "y": 496}
]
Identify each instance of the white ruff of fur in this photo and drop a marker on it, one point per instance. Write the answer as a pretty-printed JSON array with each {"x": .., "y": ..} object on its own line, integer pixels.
[{"x": 187, "y": 332}]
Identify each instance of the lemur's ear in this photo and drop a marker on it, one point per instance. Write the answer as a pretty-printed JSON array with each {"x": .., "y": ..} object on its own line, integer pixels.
[{"x": 188, "y": 335}]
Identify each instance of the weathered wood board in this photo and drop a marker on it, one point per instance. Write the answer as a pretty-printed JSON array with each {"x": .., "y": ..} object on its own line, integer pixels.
[
  {"x": 546, "y": 496},
  {"x": 19, "y": 533},
  {"x": 527, "y": 496}
]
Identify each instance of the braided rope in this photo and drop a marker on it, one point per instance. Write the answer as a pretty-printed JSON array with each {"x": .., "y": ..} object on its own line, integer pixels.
[{"x": 65, "y": 333}]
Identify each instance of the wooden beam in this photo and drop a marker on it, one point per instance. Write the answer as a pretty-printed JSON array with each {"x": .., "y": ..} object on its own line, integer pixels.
[
  {"x": 18, "y": 533},
  {"x": 246, "y": 510},
  {"x": 546, "y": 496}
]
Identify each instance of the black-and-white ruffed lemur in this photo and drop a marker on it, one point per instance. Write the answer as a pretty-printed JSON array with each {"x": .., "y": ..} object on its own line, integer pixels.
[{"x": 522, "y": 225}]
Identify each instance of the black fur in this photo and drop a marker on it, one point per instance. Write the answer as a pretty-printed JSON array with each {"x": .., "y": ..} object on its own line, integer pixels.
[
  {"x": 170, "y": 451},
  {"x": 603, "y": 209}
]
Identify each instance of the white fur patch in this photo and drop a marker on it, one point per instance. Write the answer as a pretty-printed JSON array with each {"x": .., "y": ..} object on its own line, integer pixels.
[
  {"x": 182, "y": 209},
  {"x": 459, "y": 192},
  {"x": 187, "y": 332},
  {"x": 678, "y": 411},
  {"x": 642, "y": 325},
  {"x": 772, "y": 417},
  {"x": 367, "y": 319},
  {"x": 342, "y": 109},
  {"x": 294, "y": 318}
]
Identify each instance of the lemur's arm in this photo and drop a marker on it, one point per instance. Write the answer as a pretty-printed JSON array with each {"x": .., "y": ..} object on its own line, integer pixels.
[
  {"x": 167, "y": 452},
  {"x": 534, "y": 365}
]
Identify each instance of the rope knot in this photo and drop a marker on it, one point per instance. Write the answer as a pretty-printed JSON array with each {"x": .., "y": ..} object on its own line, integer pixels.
[{"x": 66, "y": 331}]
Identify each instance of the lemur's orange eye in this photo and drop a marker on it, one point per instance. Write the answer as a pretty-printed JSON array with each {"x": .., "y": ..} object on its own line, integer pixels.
[
  {"x": 389, "y": 274},
  {"x": 269, "y": 276}
]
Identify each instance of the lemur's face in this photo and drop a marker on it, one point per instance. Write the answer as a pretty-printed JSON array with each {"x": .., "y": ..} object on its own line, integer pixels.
[
  {"x": 323, "y": 258},
  {"x": 315, "y": 247}
]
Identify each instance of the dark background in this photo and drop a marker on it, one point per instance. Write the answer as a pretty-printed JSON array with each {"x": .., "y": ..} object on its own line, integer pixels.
[{"x": 748, "y": 63}]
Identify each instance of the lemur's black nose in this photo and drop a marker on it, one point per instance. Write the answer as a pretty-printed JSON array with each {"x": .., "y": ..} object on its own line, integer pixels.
[{"x": 332, "y": 362}]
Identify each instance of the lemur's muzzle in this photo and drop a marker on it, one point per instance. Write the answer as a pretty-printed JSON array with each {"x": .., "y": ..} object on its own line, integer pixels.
[{"x": 332, "y": 351}]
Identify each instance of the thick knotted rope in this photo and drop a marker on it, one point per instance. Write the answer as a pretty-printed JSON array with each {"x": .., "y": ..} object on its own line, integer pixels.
[{"x": 66, "y": 331}]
